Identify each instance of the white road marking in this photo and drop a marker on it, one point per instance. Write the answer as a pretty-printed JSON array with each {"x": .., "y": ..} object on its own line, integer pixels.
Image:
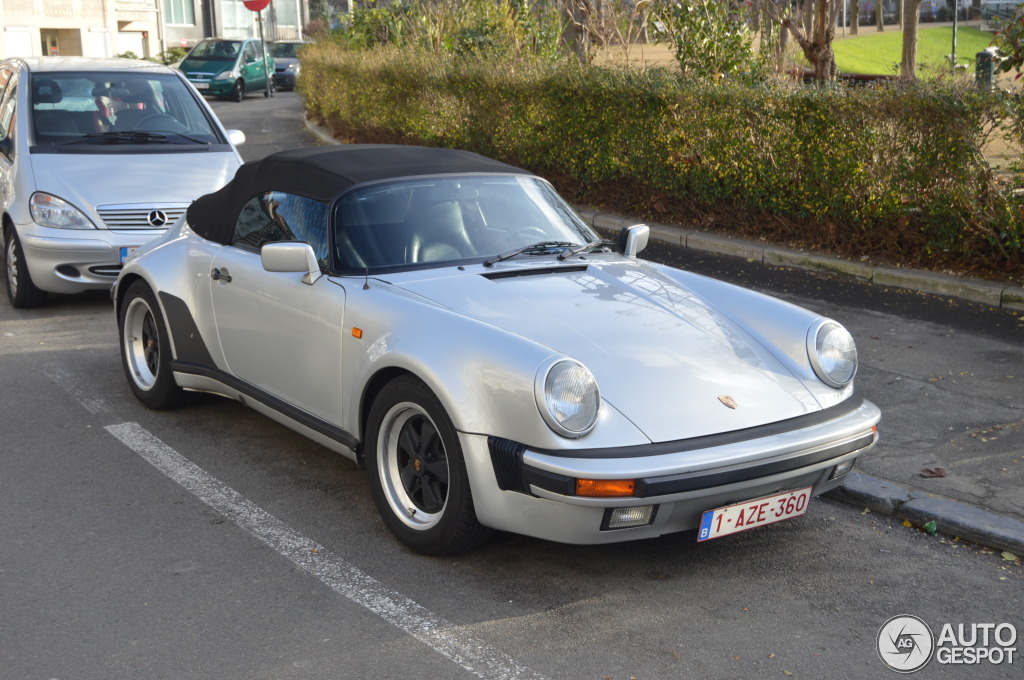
[
  {"x": 72, "y": 385},
  {"x": 473, "y": 655}
]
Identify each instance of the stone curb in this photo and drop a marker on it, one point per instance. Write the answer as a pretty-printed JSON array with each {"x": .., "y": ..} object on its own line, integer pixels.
[
  {"x": 973, "y": 290},
  {"x": 952, "y": 518}
]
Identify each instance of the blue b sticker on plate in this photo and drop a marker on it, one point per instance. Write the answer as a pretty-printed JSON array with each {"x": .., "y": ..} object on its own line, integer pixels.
[{"x": 126, "y": 251}]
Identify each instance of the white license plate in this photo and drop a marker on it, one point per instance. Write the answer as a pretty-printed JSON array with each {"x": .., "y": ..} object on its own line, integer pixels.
[
  {"x": 126, "y": 251},
  {"x": 202, "y": 86},
  {"x": 752, "y": 514}
]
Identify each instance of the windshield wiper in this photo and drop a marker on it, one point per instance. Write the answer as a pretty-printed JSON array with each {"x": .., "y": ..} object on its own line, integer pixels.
[
  {"x": 125, "y": 137},
  {"x": 585, "y": 248},
  {"x": 538, "y": 248}
]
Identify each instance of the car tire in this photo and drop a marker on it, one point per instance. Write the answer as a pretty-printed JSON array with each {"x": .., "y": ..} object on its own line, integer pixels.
[
  {"x": 417, "y": 472},
  {"x": 238, "y": 91},
  {"x": 146, "y": 350},
  {"x": 271, "y": 89},
  {"x": 20, "y": 290}
]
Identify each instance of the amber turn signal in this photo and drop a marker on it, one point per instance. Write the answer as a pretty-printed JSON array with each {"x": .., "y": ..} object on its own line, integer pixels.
[
  {"x": 357, "y": 333},
  {"x": 605, "y": 488}
]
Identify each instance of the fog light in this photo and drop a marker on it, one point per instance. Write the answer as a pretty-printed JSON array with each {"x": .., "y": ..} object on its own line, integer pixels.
[
  {"x": 624, "y": 518},
  {"x": 842, "y": 469}
]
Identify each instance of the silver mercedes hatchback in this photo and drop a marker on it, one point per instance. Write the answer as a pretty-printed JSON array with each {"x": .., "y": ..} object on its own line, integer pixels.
[{"x": 97, "y": 157}]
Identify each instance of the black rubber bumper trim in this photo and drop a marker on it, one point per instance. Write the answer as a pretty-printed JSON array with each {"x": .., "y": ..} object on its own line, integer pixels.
[
  {"x": 694, "y": 481},
  {"x": 710, "y": 441},
  {"x": 652, "y": 487}
]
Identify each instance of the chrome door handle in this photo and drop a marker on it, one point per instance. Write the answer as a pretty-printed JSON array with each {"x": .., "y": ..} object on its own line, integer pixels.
[{"x": 218, "y": 275}]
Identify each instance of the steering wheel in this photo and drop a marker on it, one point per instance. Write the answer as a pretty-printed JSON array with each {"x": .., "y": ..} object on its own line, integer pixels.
[{"x": 159, "y": 122}]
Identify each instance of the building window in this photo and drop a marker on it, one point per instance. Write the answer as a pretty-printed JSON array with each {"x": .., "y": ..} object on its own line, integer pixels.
[{"x": 179, "y": 12}]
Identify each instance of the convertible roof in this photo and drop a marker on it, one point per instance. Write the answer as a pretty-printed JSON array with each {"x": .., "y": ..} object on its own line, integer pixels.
[{"x": 322, "y": 172}]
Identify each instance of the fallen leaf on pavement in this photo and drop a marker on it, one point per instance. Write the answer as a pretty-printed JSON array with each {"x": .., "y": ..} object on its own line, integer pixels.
[
  {"x": 1010, "y": 557},
  {"x": 934, "y": 472}
]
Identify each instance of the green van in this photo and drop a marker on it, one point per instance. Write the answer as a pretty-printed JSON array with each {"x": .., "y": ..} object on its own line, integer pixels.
[{"x": 225, "y": 67}]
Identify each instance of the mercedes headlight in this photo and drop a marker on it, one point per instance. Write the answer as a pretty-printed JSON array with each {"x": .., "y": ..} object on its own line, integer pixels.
[
  {"x": 49, "y": 211},
  {"x": 568, "y": 397},
  {"x": 832, "y": 353},
  {"x": 225, "y": 75}
]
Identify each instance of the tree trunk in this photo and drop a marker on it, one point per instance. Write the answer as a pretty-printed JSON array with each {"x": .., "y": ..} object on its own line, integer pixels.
[
  {"x": 908, "y": 66},
  {"x": 880, "y": 14},
  {"x": 854, "y": 16},
  {"x": 818, "y": 47}
]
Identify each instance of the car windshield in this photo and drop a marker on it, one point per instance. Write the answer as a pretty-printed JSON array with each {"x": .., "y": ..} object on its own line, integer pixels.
[
  {"x": 285, "y": 50},
  {"x": 213, "y": 50},
  {"x": 450, "y": 219},
  {"x": 106, "y": 109}
]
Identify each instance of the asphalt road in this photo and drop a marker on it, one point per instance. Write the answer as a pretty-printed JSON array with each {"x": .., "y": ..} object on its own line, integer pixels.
[{"x": 210, "y": 542}]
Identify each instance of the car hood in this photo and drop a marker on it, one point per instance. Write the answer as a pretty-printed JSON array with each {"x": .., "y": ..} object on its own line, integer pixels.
[
  {"x": 283, "y": 62},
  {"x": 90, "y": 180},
  {"x": 214, "y": 66},
  {"x": 663, "y": 357}
]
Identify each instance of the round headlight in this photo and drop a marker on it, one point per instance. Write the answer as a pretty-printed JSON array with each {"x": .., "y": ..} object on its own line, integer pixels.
[
  {"x": 568, "y": 398},
  {"x": 832, "y": 352}
]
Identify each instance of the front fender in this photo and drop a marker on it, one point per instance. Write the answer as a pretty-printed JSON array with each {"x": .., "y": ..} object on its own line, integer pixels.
[
  {"x": 780, "y": 326},
  {"x": 484, "y": 376}
]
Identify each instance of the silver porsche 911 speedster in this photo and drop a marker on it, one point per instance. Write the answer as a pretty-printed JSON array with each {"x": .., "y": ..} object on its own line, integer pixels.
[{"x": 448, "y": 322}]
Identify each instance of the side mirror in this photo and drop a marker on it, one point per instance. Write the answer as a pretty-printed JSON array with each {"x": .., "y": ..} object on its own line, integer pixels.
[
  {"x": 291, "y": 257},
  {"x": 633, "y": 239},
  {"x": 236, "y": 137}
]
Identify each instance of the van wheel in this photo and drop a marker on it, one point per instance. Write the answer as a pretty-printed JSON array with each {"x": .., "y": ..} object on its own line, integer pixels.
[
  {"x": 238, "y": 91},
  {"x": 20, "y": 290}
]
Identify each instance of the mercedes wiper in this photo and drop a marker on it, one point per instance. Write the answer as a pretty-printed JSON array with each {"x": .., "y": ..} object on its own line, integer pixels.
[
  {"x": 538, "y": 248},
  {"x": 585, "y": 248},
  {"x": 124, "y": 137}
]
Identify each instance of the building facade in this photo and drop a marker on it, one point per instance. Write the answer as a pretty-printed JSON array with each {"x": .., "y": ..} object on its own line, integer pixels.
[{"x": 145, "y": 28}]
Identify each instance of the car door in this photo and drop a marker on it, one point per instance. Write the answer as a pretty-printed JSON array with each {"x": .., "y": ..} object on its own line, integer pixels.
[
  {"x": 279, "y": 335},
  {"x": 8, "y": 104},
  {"x": 253, "y": 68}
]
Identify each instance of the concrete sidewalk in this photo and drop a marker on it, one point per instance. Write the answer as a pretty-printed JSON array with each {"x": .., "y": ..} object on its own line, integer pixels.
[{"x": 968, "y": 480}]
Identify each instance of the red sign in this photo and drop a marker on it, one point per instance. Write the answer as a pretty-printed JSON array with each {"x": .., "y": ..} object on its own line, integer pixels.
[{"x": 256, "y": 5}]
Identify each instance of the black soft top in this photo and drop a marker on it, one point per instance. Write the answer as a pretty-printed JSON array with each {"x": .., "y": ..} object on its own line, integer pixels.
[{"x": 322, "y": 172}]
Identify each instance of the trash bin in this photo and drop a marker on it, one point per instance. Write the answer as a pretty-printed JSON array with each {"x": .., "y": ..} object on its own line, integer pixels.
[{"x": 984, "y": 70}]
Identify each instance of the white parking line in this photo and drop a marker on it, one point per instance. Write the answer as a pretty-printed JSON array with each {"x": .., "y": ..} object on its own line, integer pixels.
[
  {"x": 345, "y": 579},
  {"x": 71, "y": 384}
]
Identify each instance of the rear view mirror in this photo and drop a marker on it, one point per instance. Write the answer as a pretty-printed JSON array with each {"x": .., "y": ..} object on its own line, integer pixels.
[
  {"x": 291, "y": 257},
  {"x": 633, "y": 239},
  {"x": 236, "y": 137}
]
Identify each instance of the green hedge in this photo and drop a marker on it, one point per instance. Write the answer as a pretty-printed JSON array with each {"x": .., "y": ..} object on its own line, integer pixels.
[{"x": 894, "y": 172}]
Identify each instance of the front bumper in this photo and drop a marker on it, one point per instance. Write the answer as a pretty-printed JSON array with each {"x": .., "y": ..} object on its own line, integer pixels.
[
  {"x": 533, "y": 493},
  {"x": 214, "y": 88},
  {"x": 284, "y": 80},
  {"x": 74, "y": 261}
]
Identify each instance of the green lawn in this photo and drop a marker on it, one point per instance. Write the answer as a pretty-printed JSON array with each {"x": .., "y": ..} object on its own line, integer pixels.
[{"x": 873, "y": 52}]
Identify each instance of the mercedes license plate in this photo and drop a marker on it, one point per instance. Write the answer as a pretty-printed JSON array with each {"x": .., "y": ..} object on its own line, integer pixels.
[
  {"x": 752, "y": 514},
  {"x": 126, "y": 251}
]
